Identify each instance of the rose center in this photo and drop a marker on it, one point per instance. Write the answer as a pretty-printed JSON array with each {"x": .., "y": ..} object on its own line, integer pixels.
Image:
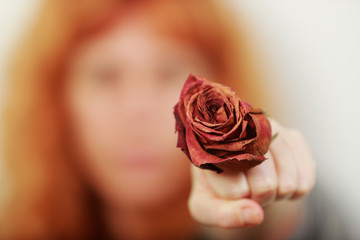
[
  {"x": 216, "y": 111},
  {"x": 214, "y": 108}
]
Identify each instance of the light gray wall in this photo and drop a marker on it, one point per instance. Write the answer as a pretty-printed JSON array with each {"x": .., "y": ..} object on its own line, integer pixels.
[{"x": 313, "y": 51}]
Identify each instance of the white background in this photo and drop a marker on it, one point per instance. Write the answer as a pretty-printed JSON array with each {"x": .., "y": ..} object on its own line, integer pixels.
[{"x": 312, "y": 49}]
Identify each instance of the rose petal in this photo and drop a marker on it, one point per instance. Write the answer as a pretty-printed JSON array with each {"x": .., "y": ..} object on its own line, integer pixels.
[
  {"x": 197, "y": 155},
  {"x": 200, "y": 157},
  {"x": 180, "y": 129},
  {"x": 246, "y": 162},
  {"x": 229, "y": 146},
  {"x": 217, "y": 130},
  {"x": 205, "y": 129},
  {"x": 263, "y": 132}
]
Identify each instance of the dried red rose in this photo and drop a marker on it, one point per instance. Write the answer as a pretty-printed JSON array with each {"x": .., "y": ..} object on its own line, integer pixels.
[{"x": 217, "y": 130}]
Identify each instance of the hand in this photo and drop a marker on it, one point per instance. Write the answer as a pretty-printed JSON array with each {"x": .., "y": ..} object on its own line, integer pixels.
[{"x": 237, "y": 200}]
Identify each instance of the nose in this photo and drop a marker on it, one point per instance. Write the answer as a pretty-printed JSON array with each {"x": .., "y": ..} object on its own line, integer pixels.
[{"x": 139, "y": 105}]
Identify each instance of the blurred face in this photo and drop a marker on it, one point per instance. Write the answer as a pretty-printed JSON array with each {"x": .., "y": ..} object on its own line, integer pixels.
[{"x": 120, "y": 91}]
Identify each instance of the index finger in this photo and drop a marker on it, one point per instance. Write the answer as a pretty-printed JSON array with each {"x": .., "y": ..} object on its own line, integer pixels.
[{"x": 208, "y": 208}]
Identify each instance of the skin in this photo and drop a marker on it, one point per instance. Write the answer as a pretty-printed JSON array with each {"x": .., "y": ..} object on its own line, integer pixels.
[{"x": 120, "y": 90}]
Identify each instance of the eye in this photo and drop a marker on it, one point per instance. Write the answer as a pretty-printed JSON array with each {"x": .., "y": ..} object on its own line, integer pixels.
[
  {"x": 104, "y": 75},
  {"x": 170, "y": 73},
  {"x": 166, "y": 73}
]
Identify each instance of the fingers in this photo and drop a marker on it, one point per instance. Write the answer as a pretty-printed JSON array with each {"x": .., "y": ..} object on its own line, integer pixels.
[
  {"x": 232, "y": 200},
  {"x": 228, "y": 186},
  {"x": 263, "y": 181},
  {"x": 305, "y": 164},
  {"x": 293, "y": 162},
  {"x": 208, "y": 208},
  {"x": 285, "y": 165}
]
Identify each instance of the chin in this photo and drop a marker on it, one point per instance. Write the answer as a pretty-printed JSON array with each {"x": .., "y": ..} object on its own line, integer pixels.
[{"x": 148, "y": 199}]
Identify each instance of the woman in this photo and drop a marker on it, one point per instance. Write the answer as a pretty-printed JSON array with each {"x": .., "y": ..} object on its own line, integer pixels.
[{"x": 89, "y": 143}]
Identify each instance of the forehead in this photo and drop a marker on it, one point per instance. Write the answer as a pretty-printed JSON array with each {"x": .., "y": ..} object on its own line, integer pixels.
[{"x": 134, "y": 39}]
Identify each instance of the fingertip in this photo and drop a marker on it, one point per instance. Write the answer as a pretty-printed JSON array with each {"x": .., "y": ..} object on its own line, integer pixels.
[
  {"x": 241, "y": 213},
  {"x": 251, "y": 217}
]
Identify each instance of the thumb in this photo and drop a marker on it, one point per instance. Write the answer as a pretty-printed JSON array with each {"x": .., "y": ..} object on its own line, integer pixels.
[{"x": 209, "y": 208}]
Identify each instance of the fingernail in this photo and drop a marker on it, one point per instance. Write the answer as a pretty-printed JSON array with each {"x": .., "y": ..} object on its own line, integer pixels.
[{"x": 247, "y": 215}]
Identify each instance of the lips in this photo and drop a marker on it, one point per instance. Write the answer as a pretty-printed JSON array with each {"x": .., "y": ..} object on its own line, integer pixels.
[{"x": 140, "y": 158}]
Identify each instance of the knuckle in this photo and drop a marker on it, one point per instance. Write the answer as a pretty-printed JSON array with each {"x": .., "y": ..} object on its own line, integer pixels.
[
  {"x": 264, "y": 188},
  {"x": 237, "y": 192},
  {"x": 305, "y": 187},
  {"x": 196, "y": 206},
  {"x": 196, "y": 211},
  {"x": 286, "y": 187},
  {"x": 192, "y": 205}
]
